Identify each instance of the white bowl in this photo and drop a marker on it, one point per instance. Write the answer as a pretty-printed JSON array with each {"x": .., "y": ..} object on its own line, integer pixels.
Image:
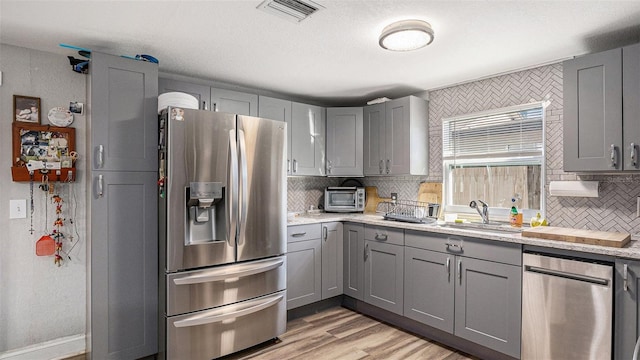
[{"x": 177, "y": 99}]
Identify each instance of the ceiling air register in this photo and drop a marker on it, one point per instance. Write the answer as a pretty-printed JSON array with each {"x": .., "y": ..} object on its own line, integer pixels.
[{"x": 292, "y": 10}]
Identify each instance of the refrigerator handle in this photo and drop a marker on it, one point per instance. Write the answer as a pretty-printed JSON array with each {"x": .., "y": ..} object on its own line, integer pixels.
[
  {"x": 232, "y": 209},
  {"x": 243, "y": 198}
]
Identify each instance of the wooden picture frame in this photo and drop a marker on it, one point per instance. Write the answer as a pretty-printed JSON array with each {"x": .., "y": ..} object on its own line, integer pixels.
[{"x": 26, "y": 109}]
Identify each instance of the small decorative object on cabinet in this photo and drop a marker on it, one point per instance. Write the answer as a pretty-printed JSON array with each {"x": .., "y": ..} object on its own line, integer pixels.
[
  {"x": 26, "y": 109},
  {"x": 43, "y": 149}
]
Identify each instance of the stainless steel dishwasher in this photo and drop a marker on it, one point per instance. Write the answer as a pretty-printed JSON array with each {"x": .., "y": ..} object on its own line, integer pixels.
[{"x": 566, "y": 308}]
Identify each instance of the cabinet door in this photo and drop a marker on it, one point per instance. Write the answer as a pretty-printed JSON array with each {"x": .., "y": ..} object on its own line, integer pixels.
[
  {"x": 627, "y": 316},
  {"x": 124, "y": 114},
  {"x": 307, "y": 139},
  {"x": 373, "y": 141},
  {"x": 234, "y": 102},
  {"x": 200, "y": 92},
  {"x": 304, "y": 263},
  {"x": 277, "y": 109},
  {"x": 429, "y": 287},
  {"x": 592, "y": 124},
  {"x": 332, "y": 259},
  {"x": 353, "y": 254},
  {"x": 488, "y": 304},
  {"x": 397, "y": 143},
  {"x": 383, "y": 276},
  {"x": 124, "y": 265},
  {"x": 631, "y": 106},
  {"x": 344, "y": 141}
]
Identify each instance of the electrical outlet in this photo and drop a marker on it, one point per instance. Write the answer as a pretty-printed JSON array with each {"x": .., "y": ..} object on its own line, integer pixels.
[
  {"x": 394, "y": 196},
  {"x": 18, "y": 209}
]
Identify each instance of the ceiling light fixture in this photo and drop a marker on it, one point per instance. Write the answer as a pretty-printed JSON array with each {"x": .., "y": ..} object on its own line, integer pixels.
[{"x": 406, "y": 35}]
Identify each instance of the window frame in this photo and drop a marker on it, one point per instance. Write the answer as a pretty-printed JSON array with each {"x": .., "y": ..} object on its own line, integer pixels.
[{"x": 496, "y": 213}]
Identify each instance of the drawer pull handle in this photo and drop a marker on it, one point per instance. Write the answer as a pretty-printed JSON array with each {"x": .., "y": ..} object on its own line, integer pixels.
[
  {"x": 381, "y": 237},
  {"x": 299, "y": 234},
  {"x": 455, "y": 247}
]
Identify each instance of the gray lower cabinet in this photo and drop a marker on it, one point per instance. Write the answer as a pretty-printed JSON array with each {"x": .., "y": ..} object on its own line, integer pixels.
[
  {"x": 123, "y": 302},
  {"x": 384, "y": 268},
  {"x": 429, "y": 292},
  {"x": 465, "y": 286},
  {"x": 332, "y": 254},
  {"x": 627, "y": 308},
  {"x": 353, "y": 260},
  {"x": 234, "y": 102},
  {"x": 304, "y": 265},
  {"x": 344, "y": 141},
  {"x": 488, "y": 304},
  {"x": 200, "y": 92}
]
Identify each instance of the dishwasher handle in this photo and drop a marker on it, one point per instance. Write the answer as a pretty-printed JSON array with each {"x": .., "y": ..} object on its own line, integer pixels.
[{"x": 566, "y": 275}]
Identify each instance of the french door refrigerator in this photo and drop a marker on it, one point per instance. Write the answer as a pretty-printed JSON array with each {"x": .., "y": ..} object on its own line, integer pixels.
[{"x": 222, "y": 196}]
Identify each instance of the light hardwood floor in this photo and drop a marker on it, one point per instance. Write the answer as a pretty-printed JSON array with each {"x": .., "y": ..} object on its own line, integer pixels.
[{"x": 339, "y": 333}]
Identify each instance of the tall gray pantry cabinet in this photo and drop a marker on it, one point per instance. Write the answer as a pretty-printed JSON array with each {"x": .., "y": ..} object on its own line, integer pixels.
[{"x": 122, "y": 216}]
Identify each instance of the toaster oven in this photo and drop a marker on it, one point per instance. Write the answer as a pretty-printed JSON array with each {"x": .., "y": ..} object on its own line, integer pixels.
[{"x": 344, "y": 199}]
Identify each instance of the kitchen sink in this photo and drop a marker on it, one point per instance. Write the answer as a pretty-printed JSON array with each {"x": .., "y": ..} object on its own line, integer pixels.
[{"x": 490, "y": 227}]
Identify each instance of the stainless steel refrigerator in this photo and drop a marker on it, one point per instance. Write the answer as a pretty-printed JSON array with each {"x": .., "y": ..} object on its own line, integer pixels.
[{"x": 222, "y": 201}]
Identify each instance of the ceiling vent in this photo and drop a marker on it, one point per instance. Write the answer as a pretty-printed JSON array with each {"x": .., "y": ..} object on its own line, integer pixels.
[{"x": 292, "y": 10}]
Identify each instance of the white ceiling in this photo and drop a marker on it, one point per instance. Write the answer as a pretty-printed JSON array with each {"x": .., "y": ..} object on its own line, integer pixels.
[{"x": 332, "y": 57}]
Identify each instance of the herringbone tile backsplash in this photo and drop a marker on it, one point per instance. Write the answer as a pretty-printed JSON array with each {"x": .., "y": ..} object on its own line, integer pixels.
[{"x": 614, "y": 210}]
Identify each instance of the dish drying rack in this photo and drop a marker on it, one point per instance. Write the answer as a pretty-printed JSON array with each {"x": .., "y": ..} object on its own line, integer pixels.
[{"x": 411, "y": 211}]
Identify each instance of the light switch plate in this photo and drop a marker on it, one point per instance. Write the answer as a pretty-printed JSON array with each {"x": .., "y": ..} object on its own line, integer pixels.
[{"x": 18, "y": 209}]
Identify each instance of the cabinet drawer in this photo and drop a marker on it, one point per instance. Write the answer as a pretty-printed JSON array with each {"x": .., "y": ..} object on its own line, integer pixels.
[
  {"x": 504, "y": 252},
  {"x": 303, "y": 232},
  {"x": 384, "y": 234}
]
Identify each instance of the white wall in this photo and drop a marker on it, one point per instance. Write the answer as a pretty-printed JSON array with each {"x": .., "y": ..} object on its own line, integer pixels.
[{"x": 39, "y": 302}]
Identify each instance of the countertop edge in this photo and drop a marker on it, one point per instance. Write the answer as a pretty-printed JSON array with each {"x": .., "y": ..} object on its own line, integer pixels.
[{"x": 631, "y": 251}]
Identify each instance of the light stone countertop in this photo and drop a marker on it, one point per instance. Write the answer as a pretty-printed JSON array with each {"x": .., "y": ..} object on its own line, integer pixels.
[{"x": 631, "y": 251}]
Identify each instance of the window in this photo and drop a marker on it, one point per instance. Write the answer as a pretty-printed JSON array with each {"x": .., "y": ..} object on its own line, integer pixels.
[{"x": 495, "y": 156}]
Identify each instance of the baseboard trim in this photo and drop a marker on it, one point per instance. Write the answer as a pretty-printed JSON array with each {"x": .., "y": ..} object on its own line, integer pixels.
[{"x": 60, "y": 348}]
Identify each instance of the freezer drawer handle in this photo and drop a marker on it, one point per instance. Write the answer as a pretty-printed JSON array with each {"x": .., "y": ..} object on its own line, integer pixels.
[
  {"x": 570, "y": 276},
  {"x": 223, "y": 274},
  {"x": 202, "y": 320}
]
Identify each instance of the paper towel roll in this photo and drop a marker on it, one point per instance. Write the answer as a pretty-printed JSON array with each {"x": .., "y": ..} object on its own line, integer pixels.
[{"x": 574, "y": 188}]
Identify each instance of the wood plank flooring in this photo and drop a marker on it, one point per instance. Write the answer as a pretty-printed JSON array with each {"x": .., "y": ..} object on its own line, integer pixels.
[{"x": 339, "y": 333}]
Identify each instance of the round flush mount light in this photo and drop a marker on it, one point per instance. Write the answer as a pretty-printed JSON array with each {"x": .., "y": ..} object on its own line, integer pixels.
[{"x": 406, "y": 35}]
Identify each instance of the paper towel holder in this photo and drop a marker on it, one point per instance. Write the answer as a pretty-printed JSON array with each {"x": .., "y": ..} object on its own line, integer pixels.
[{"x": 574, "y": 188}]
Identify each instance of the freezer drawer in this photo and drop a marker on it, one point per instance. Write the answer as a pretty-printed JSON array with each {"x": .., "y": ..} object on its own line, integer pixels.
[
  {"x": 217, "y": 332},
  {"x": 203, "y": 289}
]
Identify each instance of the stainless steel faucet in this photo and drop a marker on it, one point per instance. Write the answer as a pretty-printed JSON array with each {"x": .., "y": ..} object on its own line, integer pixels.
[{"x": 484, "y": 213}]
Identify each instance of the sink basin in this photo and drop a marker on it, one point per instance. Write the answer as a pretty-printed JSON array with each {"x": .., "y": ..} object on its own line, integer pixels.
[{"x": 490, "y": 227}]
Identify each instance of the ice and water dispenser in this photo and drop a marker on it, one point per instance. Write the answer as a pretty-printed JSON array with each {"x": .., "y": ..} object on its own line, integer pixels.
[{"x": 205, "y": 220}]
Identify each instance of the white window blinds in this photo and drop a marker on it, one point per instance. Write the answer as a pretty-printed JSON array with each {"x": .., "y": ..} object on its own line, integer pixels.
[{"x": 508, "y": 132}]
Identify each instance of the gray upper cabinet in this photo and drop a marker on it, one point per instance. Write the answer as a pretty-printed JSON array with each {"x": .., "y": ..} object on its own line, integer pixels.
[
  {"x": 124, "y": 265},
  {"x": 384, "y": 269},
  {"x": 234, "y": 102},
  {"x": 277, "y": 109},
  {"x": 332, "y": 254},
  {"x": 428, "y": 287},
  {"x": 601, "y": 127},
  {"x": 200, "y": 92},
  {"x": 123, "y": 95},
  {"x": 396, "y": 137},
  {"x": 627, "y": 306},
  {"x": 304, "y": 265},
  {"x": 353, "y": 255},
  {"x": 344, "y": 141},
  {"x": 308, "y": 124}
]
